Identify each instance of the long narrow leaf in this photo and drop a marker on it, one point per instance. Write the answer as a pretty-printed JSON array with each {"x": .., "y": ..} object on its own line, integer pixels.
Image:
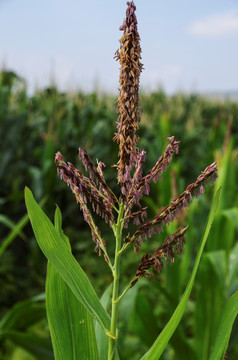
[
  {"x": 162, "y": 340},
  {"x": 233, "y": 268},
  {"x": 59, "y": 255},
  {"x": 16, "y": 231},
  {"x": 228, "y": 316},
  {"x": 23, "y": 315},
  {"x": 71, "y": 325},
  {"x": 10, "y": 224},
  {"x": 102, "y": 338},
  {"x": 36, "y": 345},
  {"x": 209, "y": 303}
]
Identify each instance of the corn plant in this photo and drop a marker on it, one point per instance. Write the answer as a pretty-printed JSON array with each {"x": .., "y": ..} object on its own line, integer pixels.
[
  {"x": 16, "y": 330},
  {"x": 80, "y": 325}
]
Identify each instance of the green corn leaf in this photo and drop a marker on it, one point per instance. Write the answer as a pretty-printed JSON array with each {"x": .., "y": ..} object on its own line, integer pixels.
[
  {"x": 71, "y": 325},
  {"x": 102, "y": 338},
  {"x": 162, "y": 340},
  {"x": 232, "y": 215},
  {"x": 228, "y": 316},
  {"x": 209, "y": 302},
  {"x": 127, "y": 311},
  {"x": 143, "y": 324},
  {"x": 23, "y": 315},
  {"x": 219, "y": 263},
  {"x": 16, "y": 231},
  {"x": 59, "y": 255},
  {"x": 233, "y": 268},
  {"x": 36, "y": 345},
  {"x": 226, "y": 179},
  {"x": 10, "y": 224},
  {"x": 127, "y": 305}
]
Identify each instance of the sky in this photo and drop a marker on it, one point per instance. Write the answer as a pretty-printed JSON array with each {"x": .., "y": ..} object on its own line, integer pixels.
[{"x": 187, "y": 45}]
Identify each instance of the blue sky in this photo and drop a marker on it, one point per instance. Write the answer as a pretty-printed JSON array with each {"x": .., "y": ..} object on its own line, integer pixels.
[{"x": 187, "y": 45}]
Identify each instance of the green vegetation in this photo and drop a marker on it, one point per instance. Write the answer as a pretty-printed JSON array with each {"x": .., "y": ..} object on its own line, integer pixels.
[{"x": 32, "y": 129}]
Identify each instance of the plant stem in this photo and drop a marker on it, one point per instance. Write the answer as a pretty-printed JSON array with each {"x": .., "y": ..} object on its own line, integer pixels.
[
  {"x": 123, "y": 293},
  {"x": 116, "y": 276}
]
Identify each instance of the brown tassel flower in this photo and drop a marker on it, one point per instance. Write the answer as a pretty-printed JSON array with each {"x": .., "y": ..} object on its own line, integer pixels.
[
  {"x": 168, "y": 214},
  {"x": 129, "y": 56},
  {"x": 92, "y": 191},
  {"x": 166, "y": 251}
]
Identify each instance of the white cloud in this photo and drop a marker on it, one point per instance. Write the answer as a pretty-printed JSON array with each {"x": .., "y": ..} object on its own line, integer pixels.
[{"x": 218, "y": 25}]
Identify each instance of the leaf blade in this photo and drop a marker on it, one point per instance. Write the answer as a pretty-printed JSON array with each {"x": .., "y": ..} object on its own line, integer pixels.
[
  {"x": 162, "y": 340},
  {"x": 59, "y": 255},
  {"x": 36, "y": 345},
  {"x": 71, "y": 325},
  {"x": 228, "y": 316},
  {"x": 102, "y": 338}
]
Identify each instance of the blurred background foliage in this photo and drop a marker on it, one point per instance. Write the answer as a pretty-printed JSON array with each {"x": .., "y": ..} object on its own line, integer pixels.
[{"x": 32, "y": 129}]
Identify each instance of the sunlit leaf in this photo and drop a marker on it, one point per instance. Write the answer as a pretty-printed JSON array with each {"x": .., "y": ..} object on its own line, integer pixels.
[
  {"x": 71, "y": 325},
  {"x": 59, "y": 255}
]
